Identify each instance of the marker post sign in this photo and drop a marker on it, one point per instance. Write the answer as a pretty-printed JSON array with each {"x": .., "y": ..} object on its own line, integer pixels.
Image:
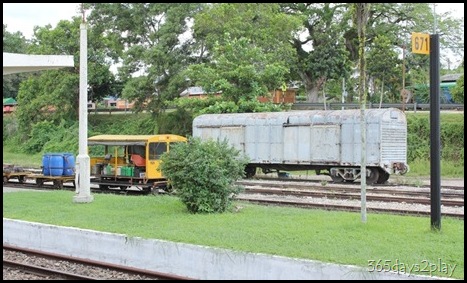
[{"x": 420, "y": 43}]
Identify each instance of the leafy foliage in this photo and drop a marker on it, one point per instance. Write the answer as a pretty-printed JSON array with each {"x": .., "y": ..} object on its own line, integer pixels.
[
  {"x": 65, "y": 39},
  {"x": 204, "y": 173},
  {"x": 47, "y": 98},
  {"x": 147, "y": 39},
  {"x": 124, "y": 124},
  {"x": 418, "y": 139},
  {"x": 248, "y": 48},
  {"x": 177, "y": 122},
  {"x": 46, "y": 136},
  {"x": 453, "y": 134},
  {"x": 188, "y": 108},
  {"x": 54, "y": 95},
  {"x": 324, "y": 24},
  {"x": 241, "y": 71},
  {"x": 10, "y": 128},
  {"x": 458, "y": 90},
  {"x": 382, "y": 68},
  {"x": 13, "y": 42}
]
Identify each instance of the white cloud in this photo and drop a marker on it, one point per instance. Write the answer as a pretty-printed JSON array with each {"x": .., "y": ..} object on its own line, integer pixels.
[
  {"x": 455, "y": 9},
  {"x": 23, "y": 17}
]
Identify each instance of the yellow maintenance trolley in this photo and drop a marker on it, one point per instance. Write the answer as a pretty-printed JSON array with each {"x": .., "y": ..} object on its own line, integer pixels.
[{"x": 129, "y": 161}]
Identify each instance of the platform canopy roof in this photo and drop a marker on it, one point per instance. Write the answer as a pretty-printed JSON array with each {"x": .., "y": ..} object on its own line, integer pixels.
[{"x": 20, "y": 63}]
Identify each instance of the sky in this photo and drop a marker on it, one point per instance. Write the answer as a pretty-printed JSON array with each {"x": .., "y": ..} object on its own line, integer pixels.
[{"x": 24, "y": 16}]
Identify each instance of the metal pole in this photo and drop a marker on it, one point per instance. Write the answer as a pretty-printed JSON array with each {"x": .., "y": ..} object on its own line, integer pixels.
[
  {"x": 363, "y": 163},
  {"x": 435, "y": 137}
]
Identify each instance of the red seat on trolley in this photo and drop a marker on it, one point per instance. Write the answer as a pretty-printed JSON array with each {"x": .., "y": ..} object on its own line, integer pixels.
[{"x": 138, "y": 160}]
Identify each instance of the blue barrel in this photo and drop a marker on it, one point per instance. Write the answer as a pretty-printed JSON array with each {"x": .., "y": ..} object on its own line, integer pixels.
[
  {"x": 52, "y": 164},
  {"x": 68, "y": 164},
  {"x": 46, "y": 164}
]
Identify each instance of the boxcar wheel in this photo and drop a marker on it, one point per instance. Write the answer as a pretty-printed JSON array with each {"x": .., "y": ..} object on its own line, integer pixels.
[
  {"x": 337, "y": 179},
  {"x": 383, "y": 177},
  {"x": 250, "y": 171},
  {"x": 373, "y": 177}
]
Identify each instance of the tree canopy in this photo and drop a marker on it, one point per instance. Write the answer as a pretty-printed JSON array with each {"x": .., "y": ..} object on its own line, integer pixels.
[{"x": 149, "y": 53}]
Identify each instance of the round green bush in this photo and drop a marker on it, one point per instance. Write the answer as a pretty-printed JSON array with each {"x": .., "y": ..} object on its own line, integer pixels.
[{"x": 203, "y": 174}]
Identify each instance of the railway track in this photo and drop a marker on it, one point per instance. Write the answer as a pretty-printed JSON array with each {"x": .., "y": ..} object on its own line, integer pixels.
[
  {"x": 390, "y": 196},
  {"x": 57, "y": 266},
  {"x": 51, "y": 186},
  {"x": 397, "y": 199},
  {"x": 388, "y": 199},
  {"x": 317, "y": 180},
  {"x": 353, "y": 207},
  {"x": 43, "y": 272},
  {"x": 450, "y": 196}
]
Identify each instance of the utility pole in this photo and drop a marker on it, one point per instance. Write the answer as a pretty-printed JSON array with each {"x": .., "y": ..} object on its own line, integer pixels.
[
  {"x": 362, "y": 13},
  {"x": 83, "y": 171}
]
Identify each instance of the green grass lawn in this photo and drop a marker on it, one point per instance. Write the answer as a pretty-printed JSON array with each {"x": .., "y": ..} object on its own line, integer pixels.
[
  {"x": 10, "y": 156},
  {"x": 337, "y": 237}
]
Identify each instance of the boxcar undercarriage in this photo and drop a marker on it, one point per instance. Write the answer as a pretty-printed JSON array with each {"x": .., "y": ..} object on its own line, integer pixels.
[{"x": 374, "y": 175}]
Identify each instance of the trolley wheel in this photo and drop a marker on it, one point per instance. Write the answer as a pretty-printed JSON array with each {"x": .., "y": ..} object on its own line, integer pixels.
[
  {"x": 21, "y": 179},
  {"x": 124, "y": 188},
  {"x": 58, "y": 184},
  {"x": 104, "y": 187},
  {"x": 373, "y": 177},
  {"x": 5, "y": 179},
  {"x": 169, "y": 189},
  {"x": 147, "y": 190},
  {"x": 39, "y": 182}
]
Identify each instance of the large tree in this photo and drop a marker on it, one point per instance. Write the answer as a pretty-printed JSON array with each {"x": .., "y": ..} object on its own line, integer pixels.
[
  {"x": 246, "y": 50},
  {"x": 321, "y": 49},
  {"x": 328, "y": 28},
  {"x": 54, "y": 95},
  {"x": 396, "y": 23},
  {"x": 150, "y": 43}
]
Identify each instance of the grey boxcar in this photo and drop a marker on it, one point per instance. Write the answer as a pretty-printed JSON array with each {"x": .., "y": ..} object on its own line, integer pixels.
[{"x": 328, "y": 141}]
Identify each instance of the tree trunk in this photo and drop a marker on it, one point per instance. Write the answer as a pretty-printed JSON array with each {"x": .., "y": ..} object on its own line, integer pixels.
[
  {"x": 381, "y": 96},
  {"x": 312, "y": 87}
]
